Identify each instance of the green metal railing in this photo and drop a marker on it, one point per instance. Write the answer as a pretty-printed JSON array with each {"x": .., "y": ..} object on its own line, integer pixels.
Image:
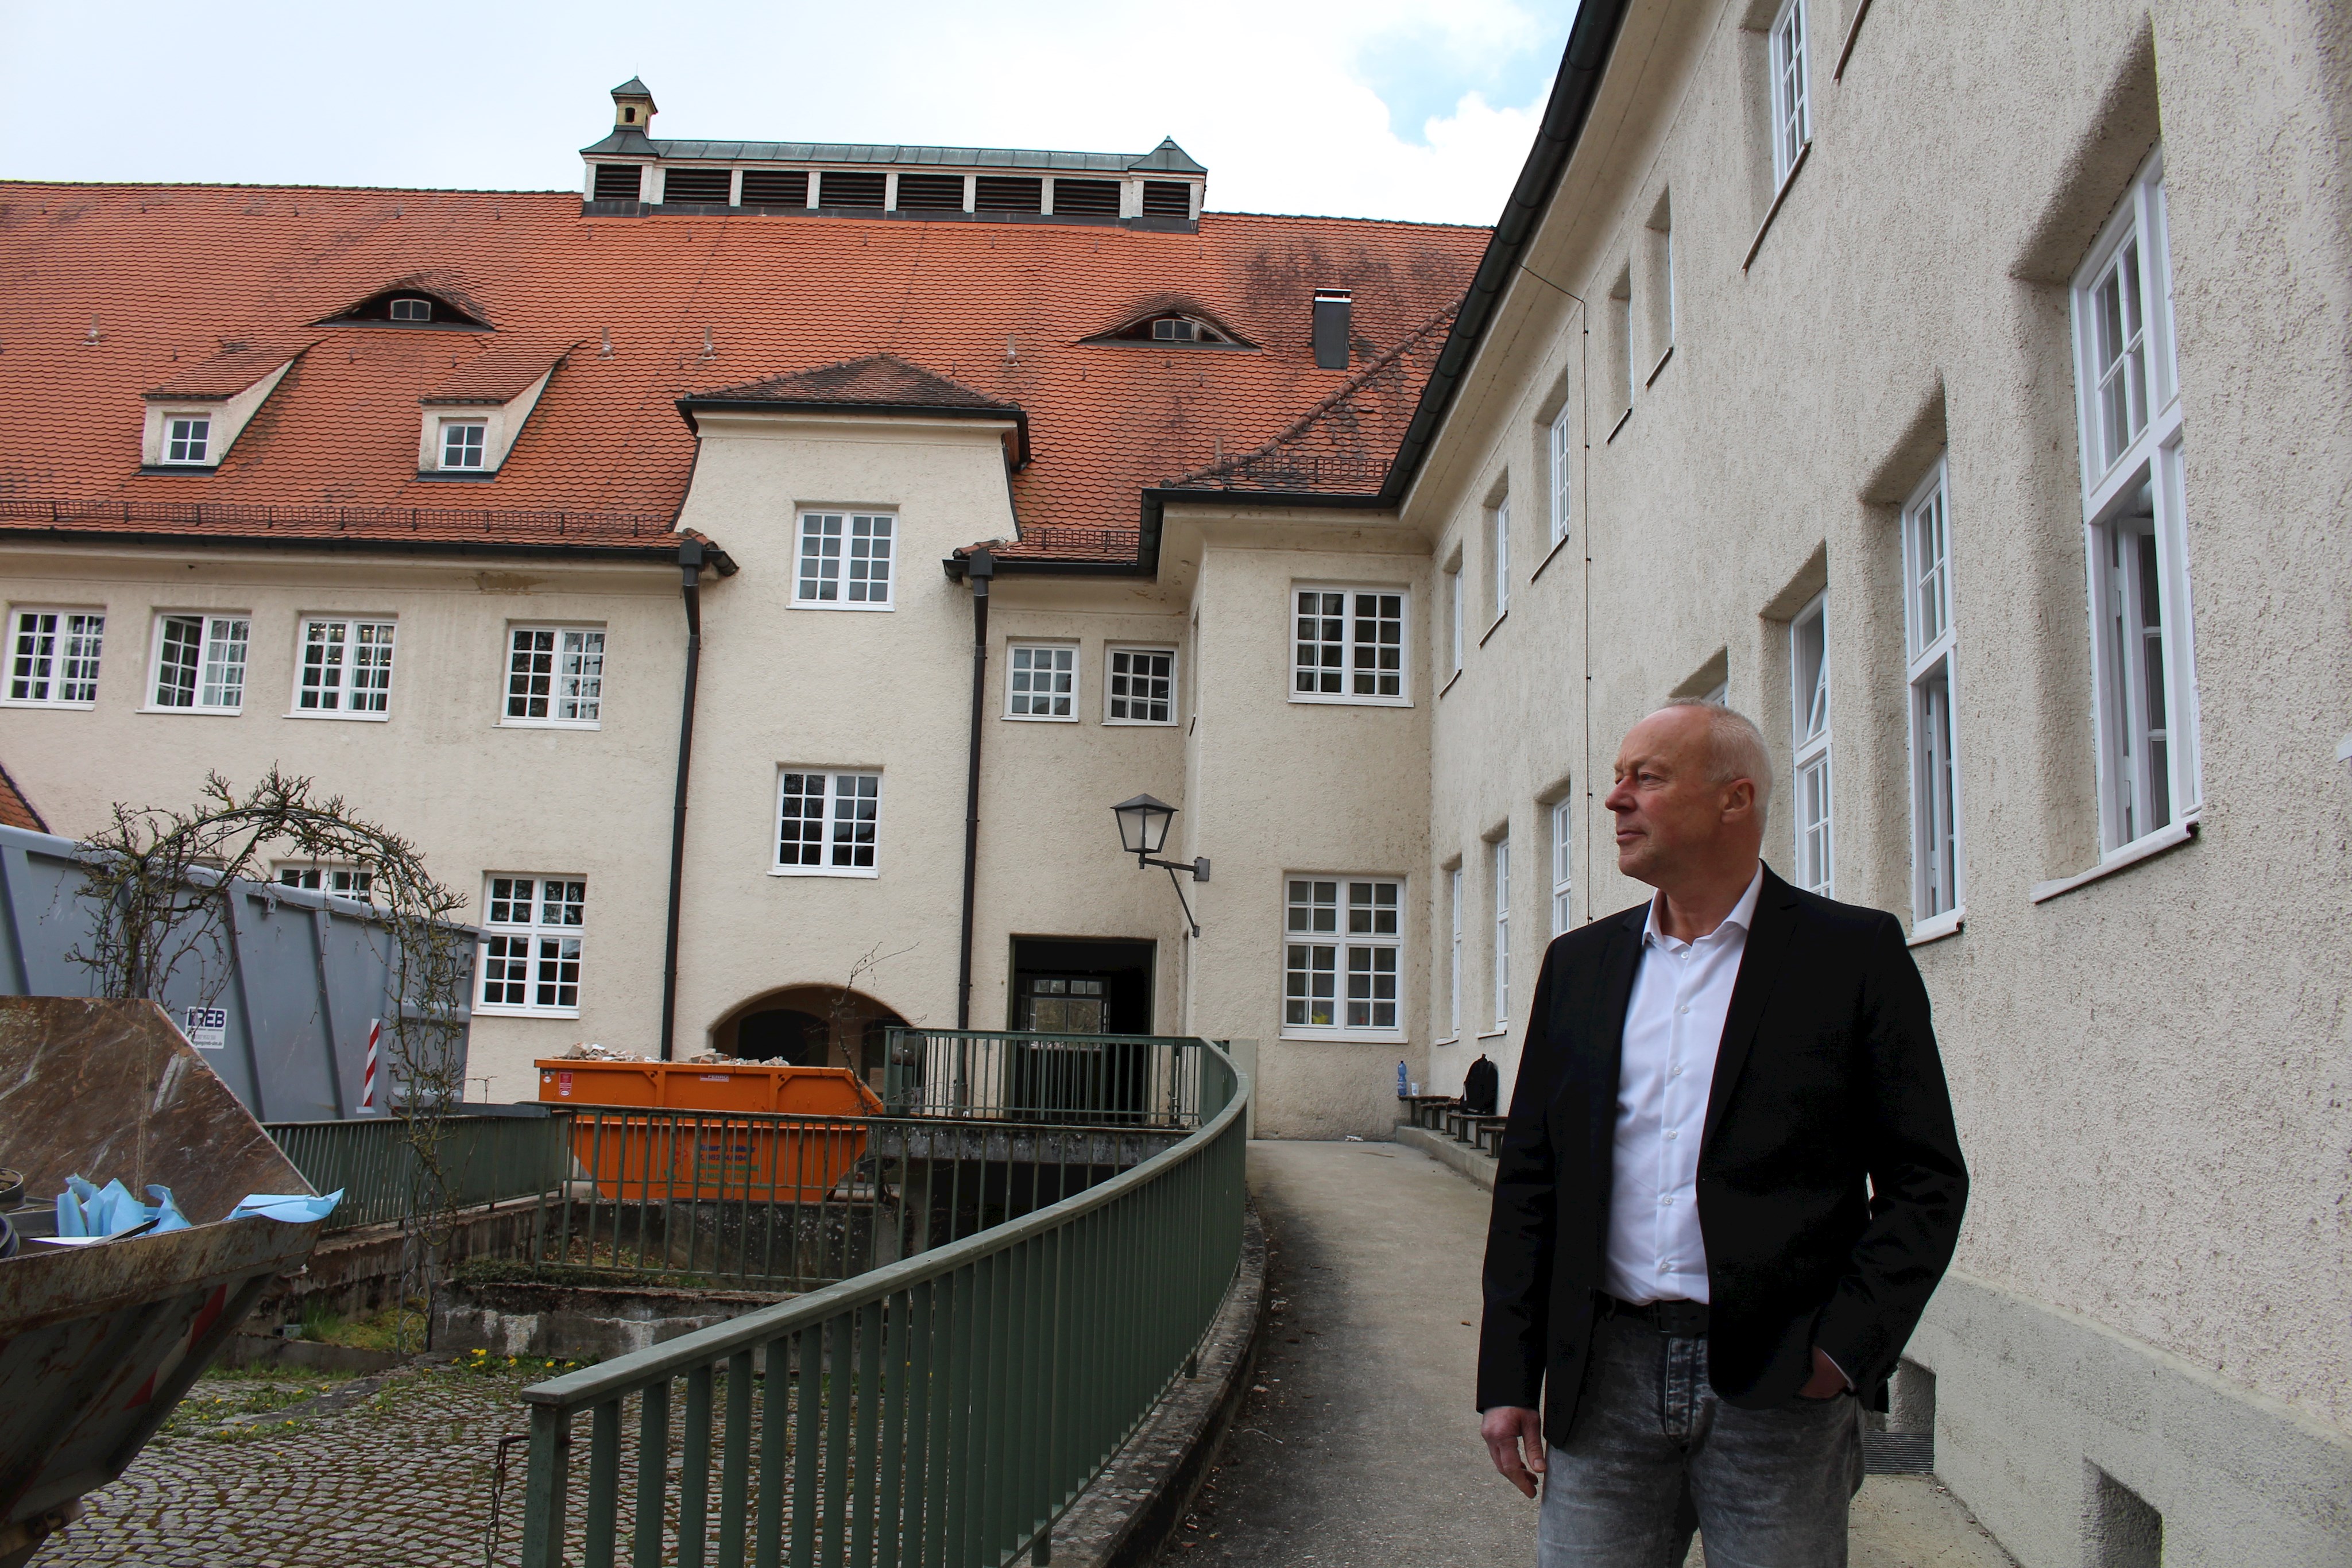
[
  {"x": 484, "y": 1159},
  {"x": 939, "y": 1412},
  {"x": 1083, "y": 1080},
  {"x": 792, "y": 1202}
]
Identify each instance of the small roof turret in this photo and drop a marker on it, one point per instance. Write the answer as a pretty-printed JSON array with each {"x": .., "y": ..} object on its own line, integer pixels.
[
  {"x": 1168, "y": 159},
  {"x": 632, "y": 106}
]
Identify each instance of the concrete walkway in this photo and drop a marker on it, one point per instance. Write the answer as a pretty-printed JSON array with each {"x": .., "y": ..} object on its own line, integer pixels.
[{"x": 1357, "y": 1447}]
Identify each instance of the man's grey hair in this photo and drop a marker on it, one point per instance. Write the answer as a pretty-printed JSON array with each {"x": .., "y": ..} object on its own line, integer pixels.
[{"x": 1735, "y": 748}]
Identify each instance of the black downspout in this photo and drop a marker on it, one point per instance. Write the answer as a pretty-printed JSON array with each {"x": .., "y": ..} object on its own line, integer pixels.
[
  {"x": 978, "y": 569},
  {"x": 689, "y": 565}
]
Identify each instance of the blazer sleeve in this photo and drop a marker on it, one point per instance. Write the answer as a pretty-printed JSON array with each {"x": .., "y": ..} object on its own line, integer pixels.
[
  {"x": 1919, "y": 1184},
  {"x": 1520, "y": 1235}
]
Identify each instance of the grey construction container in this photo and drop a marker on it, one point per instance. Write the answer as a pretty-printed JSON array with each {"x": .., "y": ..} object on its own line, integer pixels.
[{"x": 286, "y": 1026}]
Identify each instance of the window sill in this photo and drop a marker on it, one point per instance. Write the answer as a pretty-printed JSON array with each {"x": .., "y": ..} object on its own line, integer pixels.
[
  {"x": 856, "y": 873},
  {"x": 1619, "y": 425},
  {"x": 1347, "y": 1036},
  {"x": 1138, "y": 723},
  {"x": 71, "y": 707},
  {"x": 1304, "y": 701},
  {"x": 1449, "y": 1039},
  {"x": 1549, "y": 556},
  {"x": 1661, "y": 365},
  {"x": 1503, "y": 1033},
  {"x": 2148, "y": 847},
  {"x": 1038, "y": 717},
  {"x": 457, "y": 477},
  {"x": 1449, "y": 682},
  {"x": 484, "y": 1010},
  {"x": 151, "y": 470},
  {"x": 1773, "y": 211},
  {"x": 544, "y": 724},
  {"x": 353, "y": 717},
  {"x": 196, "y": 712},
  {"x": 1937, "y": 927},
  {"x": 1497, "y": 626},
  {"x": 821, "y": 604},
  {"x": 1853, "y": 32}
]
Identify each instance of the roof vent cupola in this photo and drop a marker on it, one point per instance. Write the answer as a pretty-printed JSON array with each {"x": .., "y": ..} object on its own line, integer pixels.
[{"x": 633, "y": 107}]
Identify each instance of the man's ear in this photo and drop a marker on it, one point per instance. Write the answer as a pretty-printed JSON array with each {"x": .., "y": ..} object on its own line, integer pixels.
[{"x": 1738, "y": 800}]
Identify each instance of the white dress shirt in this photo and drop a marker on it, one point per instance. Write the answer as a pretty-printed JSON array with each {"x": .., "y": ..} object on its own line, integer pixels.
[{"x": 1674, "y": 1024}]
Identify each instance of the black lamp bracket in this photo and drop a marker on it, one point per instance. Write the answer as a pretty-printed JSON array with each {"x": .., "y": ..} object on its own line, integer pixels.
[{"x": 1199, "y": 871}]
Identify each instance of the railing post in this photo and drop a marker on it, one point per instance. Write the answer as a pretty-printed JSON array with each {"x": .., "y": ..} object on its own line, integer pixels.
[{"x": 544, "y": 1489}]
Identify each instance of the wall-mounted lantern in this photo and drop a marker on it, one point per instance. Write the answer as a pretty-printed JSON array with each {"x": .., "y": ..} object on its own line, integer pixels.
[{"x": 1144, "y": 824}]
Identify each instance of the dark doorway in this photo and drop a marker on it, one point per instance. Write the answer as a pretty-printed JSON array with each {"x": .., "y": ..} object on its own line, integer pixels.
[
  {"x": 781, "y": 1033},
  {"x": 1062, "y": 983}
]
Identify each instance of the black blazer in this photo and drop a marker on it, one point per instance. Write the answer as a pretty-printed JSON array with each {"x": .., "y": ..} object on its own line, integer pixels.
[{"x": 1827, "y": 1075}]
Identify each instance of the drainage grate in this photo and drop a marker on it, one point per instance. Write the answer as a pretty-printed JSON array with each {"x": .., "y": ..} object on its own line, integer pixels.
[{"x": 1898, "y": 1453}]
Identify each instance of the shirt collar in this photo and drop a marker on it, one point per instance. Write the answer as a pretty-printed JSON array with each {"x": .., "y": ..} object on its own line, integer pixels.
[{"x": 1743, "y": 913}]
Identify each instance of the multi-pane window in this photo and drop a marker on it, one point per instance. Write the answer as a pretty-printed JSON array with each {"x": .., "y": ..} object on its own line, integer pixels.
[
  {"x": 1498, "y": 532},
  {"x": 1499, "y": 855},
  {"x": 1342, "y": 937},
  {"x": 1348, "y": 645},
  {"x": 187, "y": 438},
  {"x": 1453, "y": 980},
  {"x": 1563, "y": 850},
  {"x": 826, "y": 822},
  {"x": 343, "y": 881},
  {"x": 2142, "y": 653},
  {"x": 530, "y": 944},
  {"x": 1809, "y": 672},
  {"x": 846, "y": 560},
  {"x": 1792, "y": 124},
  {"x": 555, "y": 676},
  {"x": 1141, "y": 686},
  {"x": 53, "y": 656},
  {"x": 1456, "y": 611},
  {"x": 462, "y": 442},
  {"x": 1928, "y": 641},
  {"x": 1561, "y": 463},
  {"x": 346, "y": 667},
  {"x": 1042, "y": 683},
  {"x": 200, "y": 661}
]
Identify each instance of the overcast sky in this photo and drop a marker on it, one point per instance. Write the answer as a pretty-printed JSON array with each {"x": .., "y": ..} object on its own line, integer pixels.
[{"x": 1400, "y": 109}]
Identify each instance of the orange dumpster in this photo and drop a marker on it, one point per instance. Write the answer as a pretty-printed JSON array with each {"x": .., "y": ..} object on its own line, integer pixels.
[{"x": 698, "y": 1150}]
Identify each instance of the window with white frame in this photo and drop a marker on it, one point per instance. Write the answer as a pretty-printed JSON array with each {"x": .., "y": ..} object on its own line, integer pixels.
[
  {"x": 200, "y": 661},
  {"x": 2143, "y": 663},
  {"x": 1929, "y": 644},
  {"x": 1499, "y": 858},
  {"x": 1139, "y": 686},
  {"x": 187, "y": 438},
  {"x": 1563, "y": 851},
  {"x": 1042, "y": 681},
  {"x": 1561, "y": 456},
  {"x": 555, "y": 676},
  {"x": 53, "y": 656},
  {"x": 1453, "y": 980},
  {"x": 1809, "y": 676},
  {"x": 844, "y": 560},
  {"x": 1456, "y": 611},
  {"x": 346, "y": 667},
  {"x": 462, "y": 442},
  {"x": 1792, "y": 123},
  {"x": 343, "y": 881},
  {"x": 827, "y": 822},
  {"x": 1341, "y": 945},
  {"x": 1350, "y": 645},
  {"x": 531, "y": 933},
  {"x": 1499, "y": 534}
]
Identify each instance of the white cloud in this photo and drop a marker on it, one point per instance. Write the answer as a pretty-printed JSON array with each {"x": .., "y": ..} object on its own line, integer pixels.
[{"x": 1289, "y": 104}]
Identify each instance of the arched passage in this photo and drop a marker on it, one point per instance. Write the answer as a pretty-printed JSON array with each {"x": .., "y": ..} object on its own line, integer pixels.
[{"x": 809, "y": 1026}]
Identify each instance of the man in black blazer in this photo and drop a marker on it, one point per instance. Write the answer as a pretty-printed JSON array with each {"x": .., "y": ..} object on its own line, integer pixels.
[{"x": 1729, "y": 1185}]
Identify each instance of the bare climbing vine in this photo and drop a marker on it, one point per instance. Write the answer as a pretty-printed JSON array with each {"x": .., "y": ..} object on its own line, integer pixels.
[{"x": 165, "y": 885}]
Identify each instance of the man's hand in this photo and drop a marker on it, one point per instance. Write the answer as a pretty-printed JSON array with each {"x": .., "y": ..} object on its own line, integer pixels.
[
  {"x": 1826, "y": 1383},
  {"x": 1515, "y": 1441}
]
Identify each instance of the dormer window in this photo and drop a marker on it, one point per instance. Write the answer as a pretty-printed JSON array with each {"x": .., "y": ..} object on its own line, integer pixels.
[
  {"x": 1171, "y": 326},
  {"x": 462, "y": 442},
  {"x": 409, "y": 309},
  {"x": 187, "y": 437},
  {"x": 406, "y": 303}
]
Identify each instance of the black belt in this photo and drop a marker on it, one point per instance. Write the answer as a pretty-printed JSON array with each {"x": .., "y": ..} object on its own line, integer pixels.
[{"x": 1684, "y": 1320}]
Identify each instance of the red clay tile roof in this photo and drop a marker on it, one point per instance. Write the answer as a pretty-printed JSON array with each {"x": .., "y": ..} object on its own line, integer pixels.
[
  {"x": 501, "y": 373},
  {"x": 1343, "y": 444},
  {"x": 16, "y": 811},
  {"x": 239, "y": 364},
  {"x": 173, "y": 273},
  {"x": 876, "y": 380}
]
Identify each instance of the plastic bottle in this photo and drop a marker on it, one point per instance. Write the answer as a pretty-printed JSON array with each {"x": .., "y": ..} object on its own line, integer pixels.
[{"x": 1403, "y": 1084}]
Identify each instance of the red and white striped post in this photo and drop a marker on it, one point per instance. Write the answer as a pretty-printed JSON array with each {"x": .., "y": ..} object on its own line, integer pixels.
[{"x": 367, "y": 1078}]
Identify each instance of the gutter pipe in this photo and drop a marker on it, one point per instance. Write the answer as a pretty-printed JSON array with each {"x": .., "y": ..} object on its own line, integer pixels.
[
  {"x": 689, "y": 567},
  {"x": 979, "y": 567}
]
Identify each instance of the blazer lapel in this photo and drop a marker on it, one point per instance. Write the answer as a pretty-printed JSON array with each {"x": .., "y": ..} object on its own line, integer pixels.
[
  {"x": 1760, "y": 964},
  {"x": 1605, "y": 1059}
]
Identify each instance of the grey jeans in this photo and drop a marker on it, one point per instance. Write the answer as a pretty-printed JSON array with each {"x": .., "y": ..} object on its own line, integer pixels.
[{"x": 1653, "y": 1454}]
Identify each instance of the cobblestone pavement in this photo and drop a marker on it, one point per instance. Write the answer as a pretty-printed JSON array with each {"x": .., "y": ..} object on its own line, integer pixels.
[{"x": 287, "y": 1472}]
